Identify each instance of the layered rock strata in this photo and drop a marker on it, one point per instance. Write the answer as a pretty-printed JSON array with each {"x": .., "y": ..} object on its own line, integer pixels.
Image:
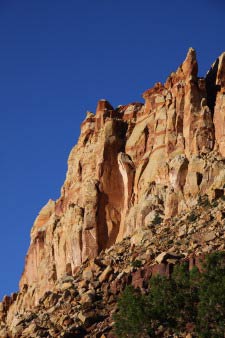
[
  {"x": 83, "y": 305},
  {"x": 129, "y": 165}
]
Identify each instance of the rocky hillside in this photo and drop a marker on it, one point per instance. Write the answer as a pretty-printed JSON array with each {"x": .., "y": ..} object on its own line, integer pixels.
[
  {"x": 145, "y": 183},
  {"x": 83, "y": 304}
]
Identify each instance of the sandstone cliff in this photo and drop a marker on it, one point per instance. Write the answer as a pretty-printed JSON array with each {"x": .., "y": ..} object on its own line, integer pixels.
[{"x": 131, "y": 165}]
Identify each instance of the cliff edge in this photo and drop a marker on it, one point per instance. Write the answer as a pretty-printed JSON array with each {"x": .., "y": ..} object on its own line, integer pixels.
[{"x": 132, "y": 164}]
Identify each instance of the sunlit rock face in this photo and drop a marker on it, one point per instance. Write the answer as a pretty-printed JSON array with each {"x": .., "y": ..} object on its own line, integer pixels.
[{"x": 129, "y": 163}]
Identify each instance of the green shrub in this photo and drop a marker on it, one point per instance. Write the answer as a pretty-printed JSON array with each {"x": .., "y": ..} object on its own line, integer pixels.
[
  {"x": 211, "y": 307},
  {"x": 130, "y": 321},
  {"x": 186, "y": 299},
  {"x": 204, "y": 201},
  {"x": 167, "y": 303},
  {"x": 159, "y": 299},
  {"x": 192, "y": 217},
  {"x": 214, "y": 204},
  {"x": 136, "y": 264},
  {"x": 157, "y": 220}
]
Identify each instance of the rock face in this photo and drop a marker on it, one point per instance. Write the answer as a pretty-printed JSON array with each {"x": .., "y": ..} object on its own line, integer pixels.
[
  {"x": 131, "y": 165},
  {"x": 82, "y": 305}
]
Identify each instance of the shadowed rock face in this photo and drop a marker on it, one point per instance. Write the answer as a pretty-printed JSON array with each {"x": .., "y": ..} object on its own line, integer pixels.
[
  {"x": 129, "y": 163},
  {"x": 216, "y": 84}
]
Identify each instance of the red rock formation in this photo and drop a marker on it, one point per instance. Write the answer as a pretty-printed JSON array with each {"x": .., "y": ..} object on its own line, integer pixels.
[
  {"x": 128, "y": 164},
  {"x": 216, "y": 84}
]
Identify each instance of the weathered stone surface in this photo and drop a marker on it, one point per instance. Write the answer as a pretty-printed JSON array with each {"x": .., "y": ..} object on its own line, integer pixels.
[
  {"x": 85, "y": 309},
  {"x": 210, "y": 236},
  {"x": 87, "y": 297},
  {"x": 105, "y": 274},
  {"x": 167, "y": 256},
  {"x": 133, "y": 170},
  {"x": 216, "y": 84}
]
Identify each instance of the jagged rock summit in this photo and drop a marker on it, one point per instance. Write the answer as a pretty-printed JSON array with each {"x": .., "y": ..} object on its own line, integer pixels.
[{"x": 130, "y": 165}]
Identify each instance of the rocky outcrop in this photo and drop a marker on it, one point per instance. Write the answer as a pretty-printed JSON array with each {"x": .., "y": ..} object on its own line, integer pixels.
[
  {"x": 132, "y": 165},
  {"x": 216, "y": 94},
  {"x": 83, "y": 305}
]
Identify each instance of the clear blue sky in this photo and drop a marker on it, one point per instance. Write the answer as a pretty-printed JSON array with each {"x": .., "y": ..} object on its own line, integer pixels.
[{"x": 57, "y": 58}]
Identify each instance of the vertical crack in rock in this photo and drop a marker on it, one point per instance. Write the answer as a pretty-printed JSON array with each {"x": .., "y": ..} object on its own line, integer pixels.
[
  {"x": 111, "y": 188},
  {"x": 129, "y": 165},
  {"x": 127, "y": 170},
  {"x": 211, "y": 87},
  {"x": 215, "y": 80}
]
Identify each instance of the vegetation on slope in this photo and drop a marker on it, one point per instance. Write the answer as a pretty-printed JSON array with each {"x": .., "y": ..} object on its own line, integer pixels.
[{"x": 189, "y": 301}]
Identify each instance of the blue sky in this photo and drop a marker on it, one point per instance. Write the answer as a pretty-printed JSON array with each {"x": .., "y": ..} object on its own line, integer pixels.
[{"x": 57, "y": 58}]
